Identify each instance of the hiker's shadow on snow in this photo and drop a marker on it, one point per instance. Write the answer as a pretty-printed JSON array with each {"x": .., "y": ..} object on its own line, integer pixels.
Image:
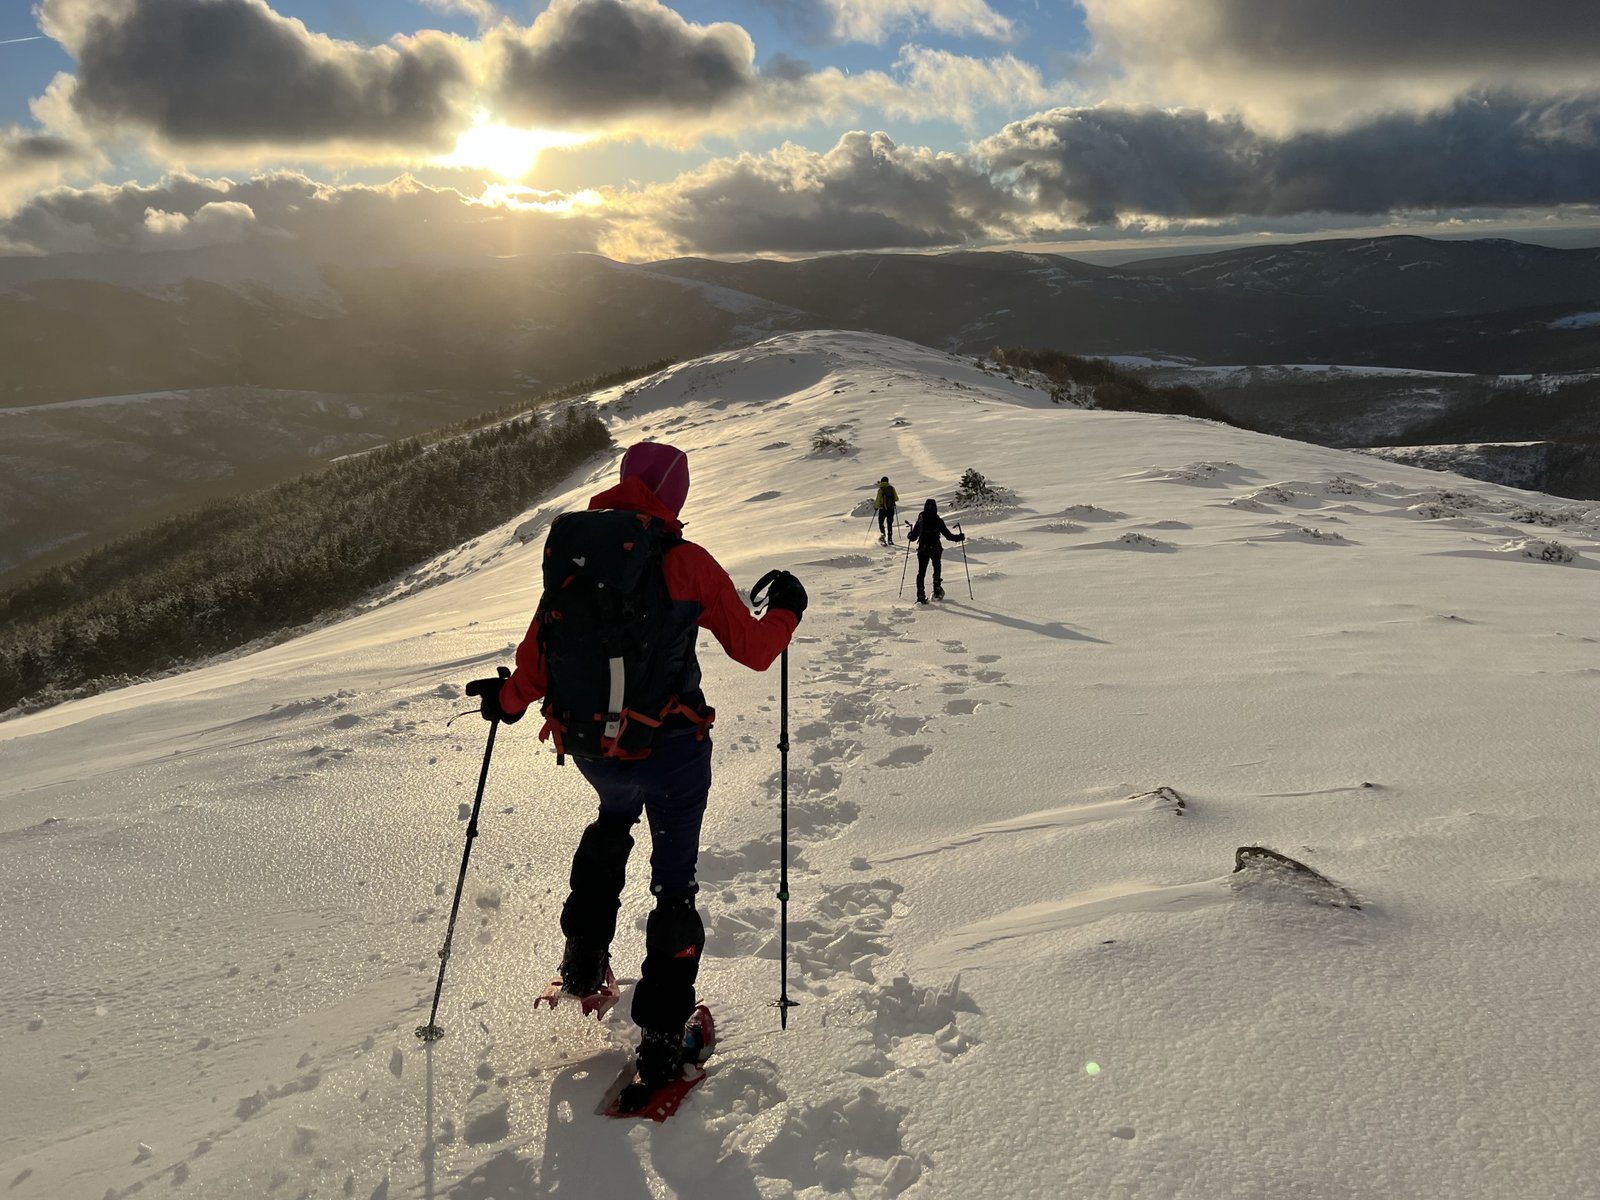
[
  {"x": 693, "y": 1161},
  {"x": 592, "y": 1157},
  {"x": 1050, "y": 629},
  {"x": 586, "y": 1155}
]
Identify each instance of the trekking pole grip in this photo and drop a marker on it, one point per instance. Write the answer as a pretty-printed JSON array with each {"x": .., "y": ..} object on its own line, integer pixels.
[{"x": 758, "y": 594}]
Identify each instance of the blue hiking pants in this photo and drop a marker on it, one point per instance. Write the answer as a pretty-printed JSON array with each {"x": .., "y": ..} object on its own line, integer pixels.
[{"x": 669, "y": 789}]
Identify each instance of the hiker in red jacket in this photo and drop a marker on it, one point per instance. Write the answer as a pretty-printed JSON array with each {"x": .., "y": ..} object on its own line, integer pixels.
[{"x": 656, "y": 762}]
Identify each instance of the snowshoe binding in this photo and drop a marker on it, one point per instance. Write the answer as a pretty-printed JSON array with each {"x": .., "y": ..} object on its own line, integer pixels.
[{"x": 668, "y": 1068}]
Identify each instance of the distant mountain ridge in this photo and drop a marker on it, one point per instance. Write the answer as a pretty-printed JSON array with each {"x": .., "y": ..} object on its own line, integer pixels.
[{"x": 228, "y": 317}]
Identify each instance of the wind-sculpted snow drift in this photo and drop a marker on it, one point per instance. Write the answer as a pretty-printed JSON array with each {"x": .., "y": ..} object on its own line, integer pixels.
[{"x": 1024, "y": 965}]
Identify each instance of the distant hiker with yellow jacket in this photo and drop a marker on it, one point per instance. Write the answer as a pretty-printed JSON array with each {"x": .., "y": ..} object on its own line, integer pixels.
[{"x": 883, "y": 503}]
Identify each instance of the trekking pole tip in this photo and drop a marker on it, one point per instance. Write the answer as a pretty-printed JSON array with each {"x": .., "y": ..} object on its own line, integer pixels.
[
  {"x": 429, "y": 1033},
  {"x": 783, "y": 1006}
]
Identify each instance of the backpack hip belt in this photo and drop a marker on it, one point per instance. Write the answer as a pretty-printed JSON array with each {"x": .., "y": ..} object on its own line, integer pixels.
[{"x": 617, "y": 725}]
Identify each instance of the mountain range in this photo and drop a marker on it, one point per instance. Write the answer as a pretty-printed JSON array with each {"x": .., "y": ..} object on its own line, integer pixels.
[
  {"x": 135, "y": 385},
  {"x": 234, "y": 316}
]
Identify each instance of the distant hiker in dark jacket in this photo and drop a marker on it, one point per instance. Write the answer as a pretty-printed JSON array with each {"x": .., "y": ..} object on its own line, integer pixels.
[
  {"x": 884, "y": 502},
  {"x": 669, "y": 785},
  {"x": 930, "y": 527}
]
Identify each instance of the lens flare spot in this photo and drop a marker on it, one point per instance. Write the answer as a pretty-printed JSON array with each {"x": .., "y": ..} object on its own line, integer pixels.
[{"x": 1092, "y": 1068}]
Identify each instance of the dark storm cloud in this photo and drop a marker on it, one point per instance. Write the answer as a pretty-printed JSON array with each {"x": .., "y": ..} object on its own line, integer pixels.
[
  {"x": 214, "y": 72},
  {"x": 588, "y": 61},
  {"x": 20, "y": 149},
  {"x": 865, "y": 193},
  {"x": 30, "y": 159},
  {"x": 343, "y": 222},
  {"x": 1098, "y": 165},
  {"x": 1366, "y": 36}
]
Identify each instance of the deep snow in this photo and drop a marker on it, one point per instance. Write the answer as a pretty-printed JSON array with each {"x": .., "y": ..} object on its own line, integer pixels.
[{"x": 1025, "y": 970}]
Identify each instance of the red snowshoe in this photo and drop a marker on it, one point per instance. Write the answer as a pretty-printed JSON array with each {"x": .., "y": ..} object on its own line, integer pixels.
[{"x": 627, "y": 1097}]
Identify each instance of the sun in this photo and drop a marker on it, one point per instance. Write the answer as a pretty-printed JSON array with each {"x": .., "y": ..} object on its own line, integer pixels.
[{"x": 510, "y": 153}]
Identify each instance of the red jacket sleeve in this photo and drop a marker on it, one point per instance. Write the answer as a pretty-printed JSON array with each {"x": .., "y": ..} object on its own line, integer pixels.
[
  {"x": 528, "y": 682},
  {"x": 692, "y": 574}
]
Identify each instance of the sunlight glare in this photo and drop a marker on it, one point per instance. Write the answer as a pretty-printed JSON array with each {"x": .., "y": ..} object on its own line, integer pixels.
[{"x": 510, "y": 153}]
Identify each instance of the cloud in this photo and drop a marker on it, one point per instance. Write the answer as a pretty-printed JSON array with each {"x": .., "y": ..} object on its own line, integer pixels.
[
  {"x": 234, "y": 72},
  {"x": 1061, "y": 173},
  {"x": 30, "y": 159},
  {"x": 232, "y": 82},
  {"x": 874, "y": 20},
  {"x": 587, "y": 62},
  {"x": 1108, "y": 164},
  {"x": 1291, "y": 63},
  {"x": 635, "y": 68},
  {"x": 325, "y": 222},
  {"x": 864, "y": 193},
  {"x": 217, "y": 223}
]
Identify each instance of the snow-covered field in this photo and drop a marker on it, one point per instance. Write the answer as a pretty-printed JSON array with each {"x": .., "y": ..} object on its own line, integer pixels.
[{"x": 1025, "y": 966}]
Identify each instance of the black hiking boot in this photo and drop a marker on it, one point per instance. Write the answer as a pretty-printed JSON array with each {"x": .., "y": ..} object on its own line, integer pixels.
[
  {"x": 938, "y": 593},
  {"x": 659, "y": 1062},
  {"x": 922, "y": 599},
  {"x": 583, "y": 968}
]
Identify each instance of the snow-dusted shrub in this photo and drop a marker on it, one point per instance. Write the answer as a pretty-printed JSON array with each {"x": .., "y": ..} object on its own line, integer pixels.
[
  {"x": 1143, "y": 541},
  {"x": 977, "y": 492},
  {"x": 1340, "y": 486},
  {"x": 1430, "y": 511},
  {"x": 1273, "y": 494},
  {"x": 830, "y": 439},
  {"x": 1541, "y": 550},
  {"x": 1550, "y": 518}
]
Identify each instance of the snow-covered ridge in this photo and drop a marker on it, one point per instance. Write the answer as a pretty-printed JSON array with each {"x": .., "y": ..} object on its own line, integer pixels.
[{"x": 1026, "y": 964}]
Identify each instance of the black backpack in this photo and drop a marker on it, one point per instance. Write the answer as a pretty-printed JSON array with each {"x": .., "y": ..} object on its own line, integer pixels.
[{"x": 615, "y": 646}]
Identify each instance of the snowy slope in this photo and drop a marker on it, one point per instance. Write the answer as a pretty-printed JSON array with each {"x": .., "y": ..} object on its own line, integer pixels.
[{"x": 1024, "y": 970}]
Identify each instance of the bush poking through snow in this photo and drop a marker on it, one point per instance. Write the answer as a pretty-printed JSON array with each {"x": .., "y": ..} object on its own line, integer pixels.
[
  {"x": 1143, "y": 541},
  {"x": 830, "y": 439},
  {"x": 1541, "y": 550},
  {"x": 974, "y": 488},
  {"x": 1312, "y": 533},
  {"x": 977, "y": 492},
  {"x": 1430, "y": 511}
]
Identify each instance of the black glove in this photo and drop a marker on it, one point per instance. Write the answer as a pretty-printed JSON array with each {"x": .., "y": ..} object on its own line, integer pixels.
[
  {"x": 488, "y": 691},
  {"x": 785, "y": 591}
]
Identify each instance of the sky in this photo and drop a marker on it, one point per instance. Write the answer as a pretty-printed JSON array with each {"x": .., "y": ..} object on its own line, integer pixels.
[{"x": 789, "y": 127}]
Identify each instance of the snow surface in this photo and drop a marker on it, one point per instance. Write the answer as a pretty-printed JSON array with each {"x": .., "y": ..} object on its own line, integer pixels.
[
  {"x": 1025, "y": 966},
  {"x": 1583, "y": 320}
]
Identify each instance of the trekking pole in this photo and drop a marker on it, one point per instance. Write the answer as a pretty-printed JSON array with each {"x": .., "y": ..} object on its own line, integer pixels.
[
  {"x": 905, "y": 565},
  {"x": 431, "y": 1032},
  {"x": 783, "y": 1004},
  {"x": 964, "y": 566}
]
